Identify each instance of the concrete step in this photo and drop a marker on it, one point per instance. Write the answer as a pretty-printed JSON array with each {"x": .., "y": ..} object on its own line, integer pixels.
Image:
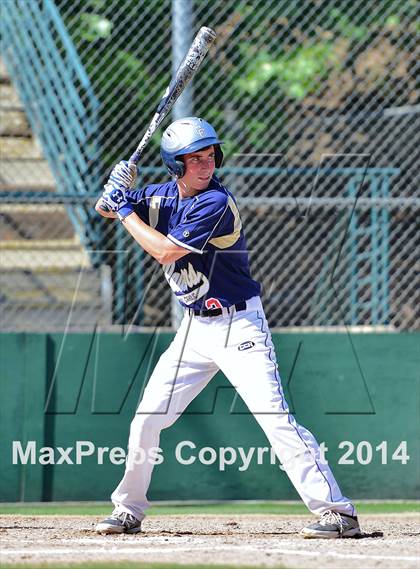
[
  {"x": 15, "y": 147},
  {"x": 36, "y": 260},
  {"x": 9, "y": 96},
  {"x": 21, "y": 158},
  {"x": 25, "y": 188},
  {"x": 4, "y": 74},
  {"x": 21, "y": 171},
  {"x": 52, "y": 299},
  {"x": 34, "y": 222},
  {"x": 14, "y": 123}
]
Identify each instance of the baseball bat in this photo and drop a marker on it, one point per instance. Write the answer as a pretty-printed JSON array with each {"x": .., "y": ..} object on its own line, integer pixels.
[
  {"x": 183, "y": 76},
  {"x": 186, "y": 70}
]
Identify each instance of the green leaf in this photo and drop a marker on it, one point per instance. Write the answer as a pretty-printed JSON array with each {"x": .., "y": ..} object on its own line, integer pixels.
[
  {"x": 393, "y": 21},
  {"x": 94, "y": 27}
]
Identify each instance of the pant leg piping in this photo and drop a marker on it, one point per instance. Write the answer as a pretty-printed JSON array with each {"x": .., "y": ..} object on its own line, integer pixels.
[{"x": 288, "y": 413}]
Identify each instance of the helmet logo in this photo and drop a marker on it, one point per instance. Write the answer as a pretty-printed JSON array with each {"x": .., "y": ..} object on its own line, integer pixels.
[{"x": 200, "y": 131}]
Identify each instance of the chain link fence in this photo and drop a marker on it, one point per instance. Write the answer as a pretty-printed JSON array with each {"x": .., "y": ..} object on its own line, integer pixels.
[{"x": 317, "y": 104}]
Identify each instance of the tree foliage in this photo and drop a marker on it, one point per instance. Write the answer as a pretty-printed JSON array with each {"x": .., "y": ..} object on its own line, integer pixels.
[{"x": 270, "y": 55}]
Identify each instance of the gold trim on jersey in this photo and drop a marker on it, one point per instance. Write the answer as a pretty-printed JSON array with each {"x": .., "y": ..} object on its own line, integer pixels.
[
  {"x": 154, "y": 208},
  {"x": 226, "y": 241}
]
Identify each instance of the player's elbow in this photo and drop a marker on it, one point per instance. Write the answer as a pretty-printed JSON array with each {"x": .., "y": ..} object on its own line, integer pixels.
[
  {"x": 166, "y": 258},
  {"x": 163, "y": 258},
  {"x": 170, "y": 253}
]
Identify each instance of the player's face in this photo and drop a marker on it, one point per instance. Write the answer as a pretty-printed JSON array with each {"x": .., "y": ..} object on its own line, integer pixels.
[{"x": 199, "y": 168}]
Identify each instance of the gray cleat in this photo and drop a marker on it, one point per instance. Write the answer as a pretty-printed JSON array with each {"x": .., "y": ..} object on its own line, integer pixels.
[
  {"x": 332, "y": 525},
  {"x": 119, "y": 522}
]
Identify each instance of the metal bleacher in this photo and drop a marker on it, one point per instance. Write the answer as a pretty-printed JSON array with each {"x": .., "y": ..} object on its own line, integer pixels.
[{"x": 47, "y": 135}]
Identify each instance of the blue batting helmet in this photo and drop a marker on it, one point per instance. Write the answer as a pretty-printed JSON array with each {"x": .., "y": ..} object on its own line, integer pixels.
[{"x": 185, "y": 136}]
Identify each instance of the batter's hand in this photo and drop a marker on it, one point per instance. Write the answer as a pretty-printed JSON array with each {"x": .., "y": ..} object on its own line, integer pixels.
[
  {"x": 104, "y": 211},
  {"x": 114, "y": 196},
  {"x": 116, "y": 199},
  {"x": 124, "y": 174},
  {"x": 121, "y": 180}
]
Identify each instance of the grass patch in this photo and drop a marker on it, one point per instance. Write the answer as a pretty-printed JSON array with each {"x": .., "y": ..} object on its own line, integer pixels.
[{"x": 229, "y": 508}]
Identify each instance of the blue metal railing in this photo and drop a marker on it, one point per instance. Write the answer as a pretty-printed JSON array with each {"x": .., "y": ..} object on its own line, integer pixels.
[
  {"x": 373, "y": 254},
  {"x": 369, "y": 271},
  {"x": 366, "y": 251},
  {"x": 58, "y": 98}
]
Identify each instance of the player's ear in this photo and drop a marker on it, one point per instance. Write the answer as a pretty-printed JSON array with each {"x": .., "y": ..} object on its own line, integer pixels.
[{"x": 180, "y": 166}]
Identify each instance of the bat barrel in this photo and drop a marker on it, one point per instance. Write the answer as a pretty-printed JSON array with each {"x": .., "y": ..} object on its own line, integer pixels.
[
  {"x": 202, "y": 41},
  {"x": 208, "y": 33}
]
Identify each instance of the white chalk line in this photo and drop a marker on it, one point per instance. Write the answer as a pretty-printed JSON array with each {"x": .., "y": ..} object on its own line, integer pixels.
[{"x": 147, "y": 550}]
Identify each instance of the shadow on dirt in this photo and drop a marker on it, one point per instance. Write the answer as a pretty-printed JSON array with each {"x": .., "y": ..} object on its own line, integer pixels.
[{"x": 371, "y": 534}]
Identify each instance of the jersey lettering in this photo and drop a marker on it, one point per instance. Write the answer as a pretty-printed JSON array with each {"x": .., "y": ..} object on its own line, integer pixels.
[{"x": 188, "y": 284}]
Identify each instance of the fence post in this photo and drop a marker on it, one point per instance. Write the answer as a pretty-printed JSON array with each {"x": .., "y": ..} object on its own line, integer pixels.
[{"x": 182, "y": 36}]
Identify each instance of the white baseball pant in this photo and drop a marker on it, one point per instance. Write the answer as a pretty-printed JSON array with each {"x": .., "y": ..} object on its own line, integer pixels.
[{"x": 200, "y": 348}]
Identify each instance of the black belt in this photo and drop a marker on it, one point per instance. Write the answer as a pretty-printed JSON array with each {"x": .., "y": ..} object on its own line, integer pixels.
[{"x": 218, "y": 311}]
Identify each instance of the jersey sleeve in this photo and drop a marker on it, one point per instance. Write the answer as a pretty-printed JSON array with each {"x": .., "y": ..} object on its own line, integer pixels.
[
  {"x": 200, "y": 223},
  {"x": 137, "y": 198}
]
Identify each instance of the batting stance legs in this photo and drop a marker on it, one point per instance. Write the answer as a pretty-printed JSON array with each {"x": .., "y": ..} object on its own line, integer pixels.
[
  {"x": 209, "y": 344},
  {"x": 172, "y": 386}
]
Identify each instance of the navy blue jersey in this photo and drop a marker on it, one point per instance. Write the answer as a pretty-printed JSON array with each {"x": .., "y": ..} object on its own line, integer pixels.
[{"x": 216, "y": 272}]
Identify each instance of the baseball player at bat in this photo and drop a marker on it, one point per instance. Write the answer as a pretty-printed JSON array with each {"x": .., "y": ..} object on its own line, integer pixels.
[{"x": 192, "y": 226}]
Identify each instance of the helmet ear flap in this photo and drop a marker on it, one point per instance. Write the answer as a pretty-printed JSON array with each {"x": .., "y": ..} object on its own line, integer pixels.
[{"x": 180, "y": 167}]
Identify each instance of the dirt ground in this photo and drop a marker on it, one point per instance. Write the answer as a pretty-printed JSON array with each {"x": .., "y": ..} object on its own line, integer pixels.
[{"x": 388, "y": 541}]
